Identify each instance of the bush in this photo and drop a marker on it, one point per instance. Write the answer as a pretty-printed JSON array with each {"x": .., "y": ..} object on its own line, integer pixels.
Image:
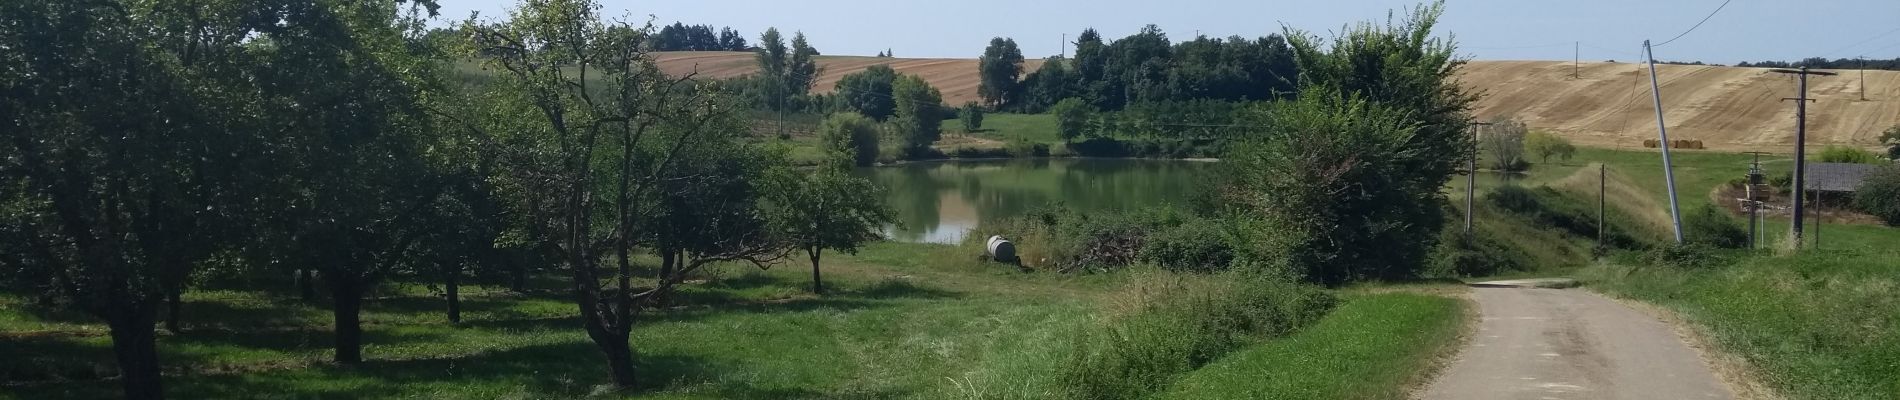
[
  {"x": 1545, "y": 145},
  {"x": 850, "y": 137},
  {"x": 1177, "y": 323},
  {"x": 1503, "y": 140},
  {"x": 972, "y": 117},
  {"x": 1850, "y": 155},
  {"x": 1712, "y": 226},
  {"x": 1196, "y": 245},
  {"x": 1072, "y": 116},
  {"x": 1020, "y": 148},
  {"x": 1879, "y": 195},
  {"x": 1478, "y": 254},
  {"x": 1690, "y": 255}
]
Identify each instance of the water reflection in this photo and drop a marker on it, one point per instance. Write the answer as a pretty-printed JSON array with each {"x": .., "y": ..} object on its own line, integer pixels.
[{"x": 938, "y": 202}]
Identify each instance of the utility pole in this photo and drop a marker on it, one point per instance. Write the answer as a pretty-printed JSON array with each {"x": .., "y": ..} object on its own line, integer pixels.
[
  {"x": 1662, "y": 131},
  {"x": 1576, "y": 60},
  {"x": 1863, "y": 78},
  {"x": 1065, "y": 46},
  {"x": 1800, "y": 148},
  {"x": 1603, "y": 186},
  {"x": 1471, "y": 179}
]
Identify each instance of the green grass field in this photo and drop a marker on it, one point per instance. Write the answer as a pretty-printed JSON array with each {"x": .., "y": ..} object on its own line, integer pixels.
[{"x": 903, "y": 321}]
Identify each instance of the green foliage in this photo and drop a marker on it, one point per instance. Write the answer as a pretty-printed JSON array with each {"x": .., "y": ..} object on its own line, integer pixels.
[
  {"x": 1712, "y": 226},
  {"x": 1179, "y": 323},
  {"x": 1891, "y": 139},
  {"x": 1196, "y": 245},
  {"x": 682, "y": 37},
  {"x": 919, "y": 112},
  {"x": 1548, "y": 208},
  {"x": 1478, "y": 254},
  {"x": 1329, "y": 180},
  {"x": 1025, "y": 149},
  {"x": 851, "y": 138},
  {"x": 869, "y": 92},
  {"x": 827, "y": 210},
  {"x": 1545, "y": 145},
  {"x": 1879, "y": 195},
  {"x": 972, "y": 117},
  {"x": 999, "y": 69},
  {"x": 1849, "y": 155},
  {"x": 1072, "y": 116},
  {"x": 1045, "y": 86},
  {"x": 1686, "y": 256},
  {"x": 1369, "y": 347},
  {"x": 786, "y": 73}
]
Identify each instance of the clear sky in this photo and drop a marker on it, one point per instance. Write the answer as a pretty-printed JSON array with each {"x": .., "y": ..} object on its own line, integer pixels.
[{"x": 1746, "y": 30}]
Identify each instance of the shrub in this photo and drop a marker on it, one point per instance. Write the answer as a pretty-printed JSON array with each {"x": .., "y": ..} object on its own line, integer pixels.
[
  {"x": 1196, "y": 245},
  {"x": 1020, "y": 148},
  {"x": 1544, "y": 145},
  {"x": 1177, "y": 323},
  {"x": 850, "y": 137},
  {"x": 1850, "y": 155},
  {"x": 1879, "y": 194},
  {"x": 1690, "y": 255},
  {"x": 1477, "y": 254},
  {"x": 1548, "y": 207},
  {"x": 1712, "y": 226},
  {"x": 972, "y": 117},
  {"x": 1072, "y": 117}
]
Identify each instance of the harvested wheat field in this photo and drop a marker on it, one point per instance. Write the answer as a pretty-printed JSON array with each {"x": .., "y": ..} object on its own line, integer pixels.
[{"x": 1726, "y": 108}]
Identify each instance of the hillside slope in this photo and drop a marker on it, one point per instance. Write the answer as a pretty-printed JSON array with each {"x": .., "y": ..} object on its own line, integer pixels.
[{"x": 1727, "y": 108}]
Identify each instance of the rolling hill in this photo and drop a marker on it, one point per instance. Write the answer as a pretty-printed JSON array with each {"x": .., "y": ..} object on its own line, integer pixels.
[{"x": 1727, "y": 108}]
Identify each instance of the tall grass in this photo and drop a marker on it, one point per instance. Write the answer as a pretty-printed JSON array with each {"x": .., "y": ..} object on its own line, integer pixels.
[{"x": 1169, "y": 324}]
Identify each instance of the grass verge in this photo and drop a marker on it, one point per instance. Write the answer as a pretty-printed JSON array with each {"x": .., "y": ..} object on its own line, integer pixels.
[{"x": 1373, "y": 346}]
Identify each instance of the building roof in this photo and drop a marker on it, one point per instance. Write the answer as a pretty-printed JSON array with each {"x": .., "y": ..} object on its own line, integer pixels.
[{"x": 1836, "y": 177}]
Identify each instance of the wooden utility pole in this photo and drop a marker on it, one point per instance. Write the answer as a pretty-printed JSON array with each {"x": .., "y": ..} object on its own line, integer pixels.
[
  {"x": 1863, "y": 78},
  {"x": 1603, "y": 201},
  {"x": 1662, "y": 132},
  {"x": 1471, "y": 178},
  {"x": 1576, "y": 60},
  {"x": 1800, "y": 147}
]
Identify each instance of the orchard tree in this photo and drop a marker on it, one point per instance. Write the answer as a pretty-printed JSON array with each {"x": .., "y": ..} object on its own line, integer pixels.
[
  {"x": 586, "y": 176},
  {"x": 869, "y": 92},
  {"x": 999, "y": 69},
  {"x": 119, "y": 163},
  {"x": 829, "y": 209}
]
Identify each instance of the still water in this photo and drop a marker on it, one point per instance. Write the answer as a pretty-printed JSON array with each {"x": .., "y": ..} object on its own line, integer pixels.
[{"x": 939, "y": 202}]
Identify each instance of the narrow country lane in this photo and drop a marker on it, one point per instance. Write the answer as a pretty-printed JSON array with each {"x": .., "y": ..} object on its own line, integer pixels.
[{"x": 1570, "y": 344}]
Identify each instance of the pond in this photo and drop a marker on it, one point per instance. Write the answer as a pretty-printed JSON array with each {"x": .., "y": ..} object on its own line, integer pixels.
[{"x": 939, "y": 202}]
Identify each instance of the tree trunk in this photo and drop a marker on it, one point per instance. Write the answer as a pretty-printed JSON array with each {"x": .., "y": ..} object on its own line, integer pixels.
[
  {"x": 620, "y": 362},
  {"x": 518, "y": 281},
  {"x": 172, "y": 304},
  {"x": 135, "y": 345},
  {"x": 452, "y": 289},
  {"x": 305, "y": 284},
  {"x": 348, "y": 296},
  {"x": 817, "y": 285}
]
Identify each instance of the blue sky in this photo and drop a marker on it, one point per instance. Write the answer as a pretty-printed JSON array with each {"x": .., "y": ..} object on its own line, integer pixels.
[{"x": 1746, "y": 30}]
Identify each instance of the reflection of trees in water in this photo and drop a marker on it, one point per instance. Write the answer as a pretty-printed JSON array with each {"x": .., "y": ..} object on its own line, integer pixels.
[{"x": 998, "y": 189}]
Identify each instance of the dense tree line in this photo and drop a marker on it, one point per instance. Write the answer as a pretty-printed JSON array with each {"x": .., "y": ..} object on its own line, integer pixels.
[
  {"x": 1892, "y": 64},
  {"x": 682, "y": 37},
  {"x": 1145, "y": 67},
  {"x": 153, "y": 147}
]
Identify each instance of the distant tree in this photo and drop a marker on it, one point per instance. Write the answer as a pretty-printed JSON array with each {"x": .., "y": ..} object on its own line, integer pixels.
[
  {"x": 802, "y": 69},
  {"x": 919, "y": 112},
  {"x": 829, "y": 209},
  {"x": 1879, "y": 194},
  {"x": 1545, "y": 145},
  {"x": 1000, "y": 69},
  {"x": 1046, "y": 86},
  {"x": 1891, "y": 139},
  {"x": 785, "y": 72},
  {"x": 731, "y": 40},
  {"x": 850, "y": 138},
  {"x": 972, "y": 117},
  {"x": 1503, "y": 140},
  {"x": 1091, "y": 63},
  {"x": 1072, "y": 118},
  {"x": 869, "y": 92}
]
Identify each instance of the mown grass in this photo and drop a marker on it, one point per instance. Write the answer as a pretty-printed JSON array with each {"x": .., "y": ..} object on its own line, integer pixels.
[
  {"x": 1374, "y": 346},
  {"x": 904, "y": 318}
]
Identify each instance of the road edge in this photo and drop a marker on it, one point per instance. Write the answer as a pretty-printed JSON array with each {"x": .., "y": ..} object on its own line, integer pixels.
[{"x": 1740, "y": 376}]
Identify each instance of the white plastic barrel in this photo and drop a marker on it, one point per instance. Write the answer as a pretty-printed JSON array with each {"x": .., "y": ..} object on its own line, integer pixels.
[{"x": 1001, "y": 249}]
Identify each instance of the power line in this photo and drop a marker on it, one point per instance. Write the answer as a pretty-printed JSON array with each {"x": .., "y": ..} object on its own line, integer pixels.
[
  {"x": 1718, "y": 9},
  {"x": 1863, "y": 41}
]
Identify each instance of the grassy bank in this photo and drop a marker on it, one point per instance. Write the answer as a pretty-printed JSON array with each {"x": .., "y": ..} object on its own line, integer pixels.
[
  {"x": 1374, "y": 346},
  {"x": 1820, "y": 325}
]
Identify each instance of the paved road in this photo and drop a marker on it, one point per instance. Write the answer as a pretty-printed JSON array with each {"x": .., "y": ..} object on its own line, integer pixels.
[{"x": 1571, "y": 344}]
